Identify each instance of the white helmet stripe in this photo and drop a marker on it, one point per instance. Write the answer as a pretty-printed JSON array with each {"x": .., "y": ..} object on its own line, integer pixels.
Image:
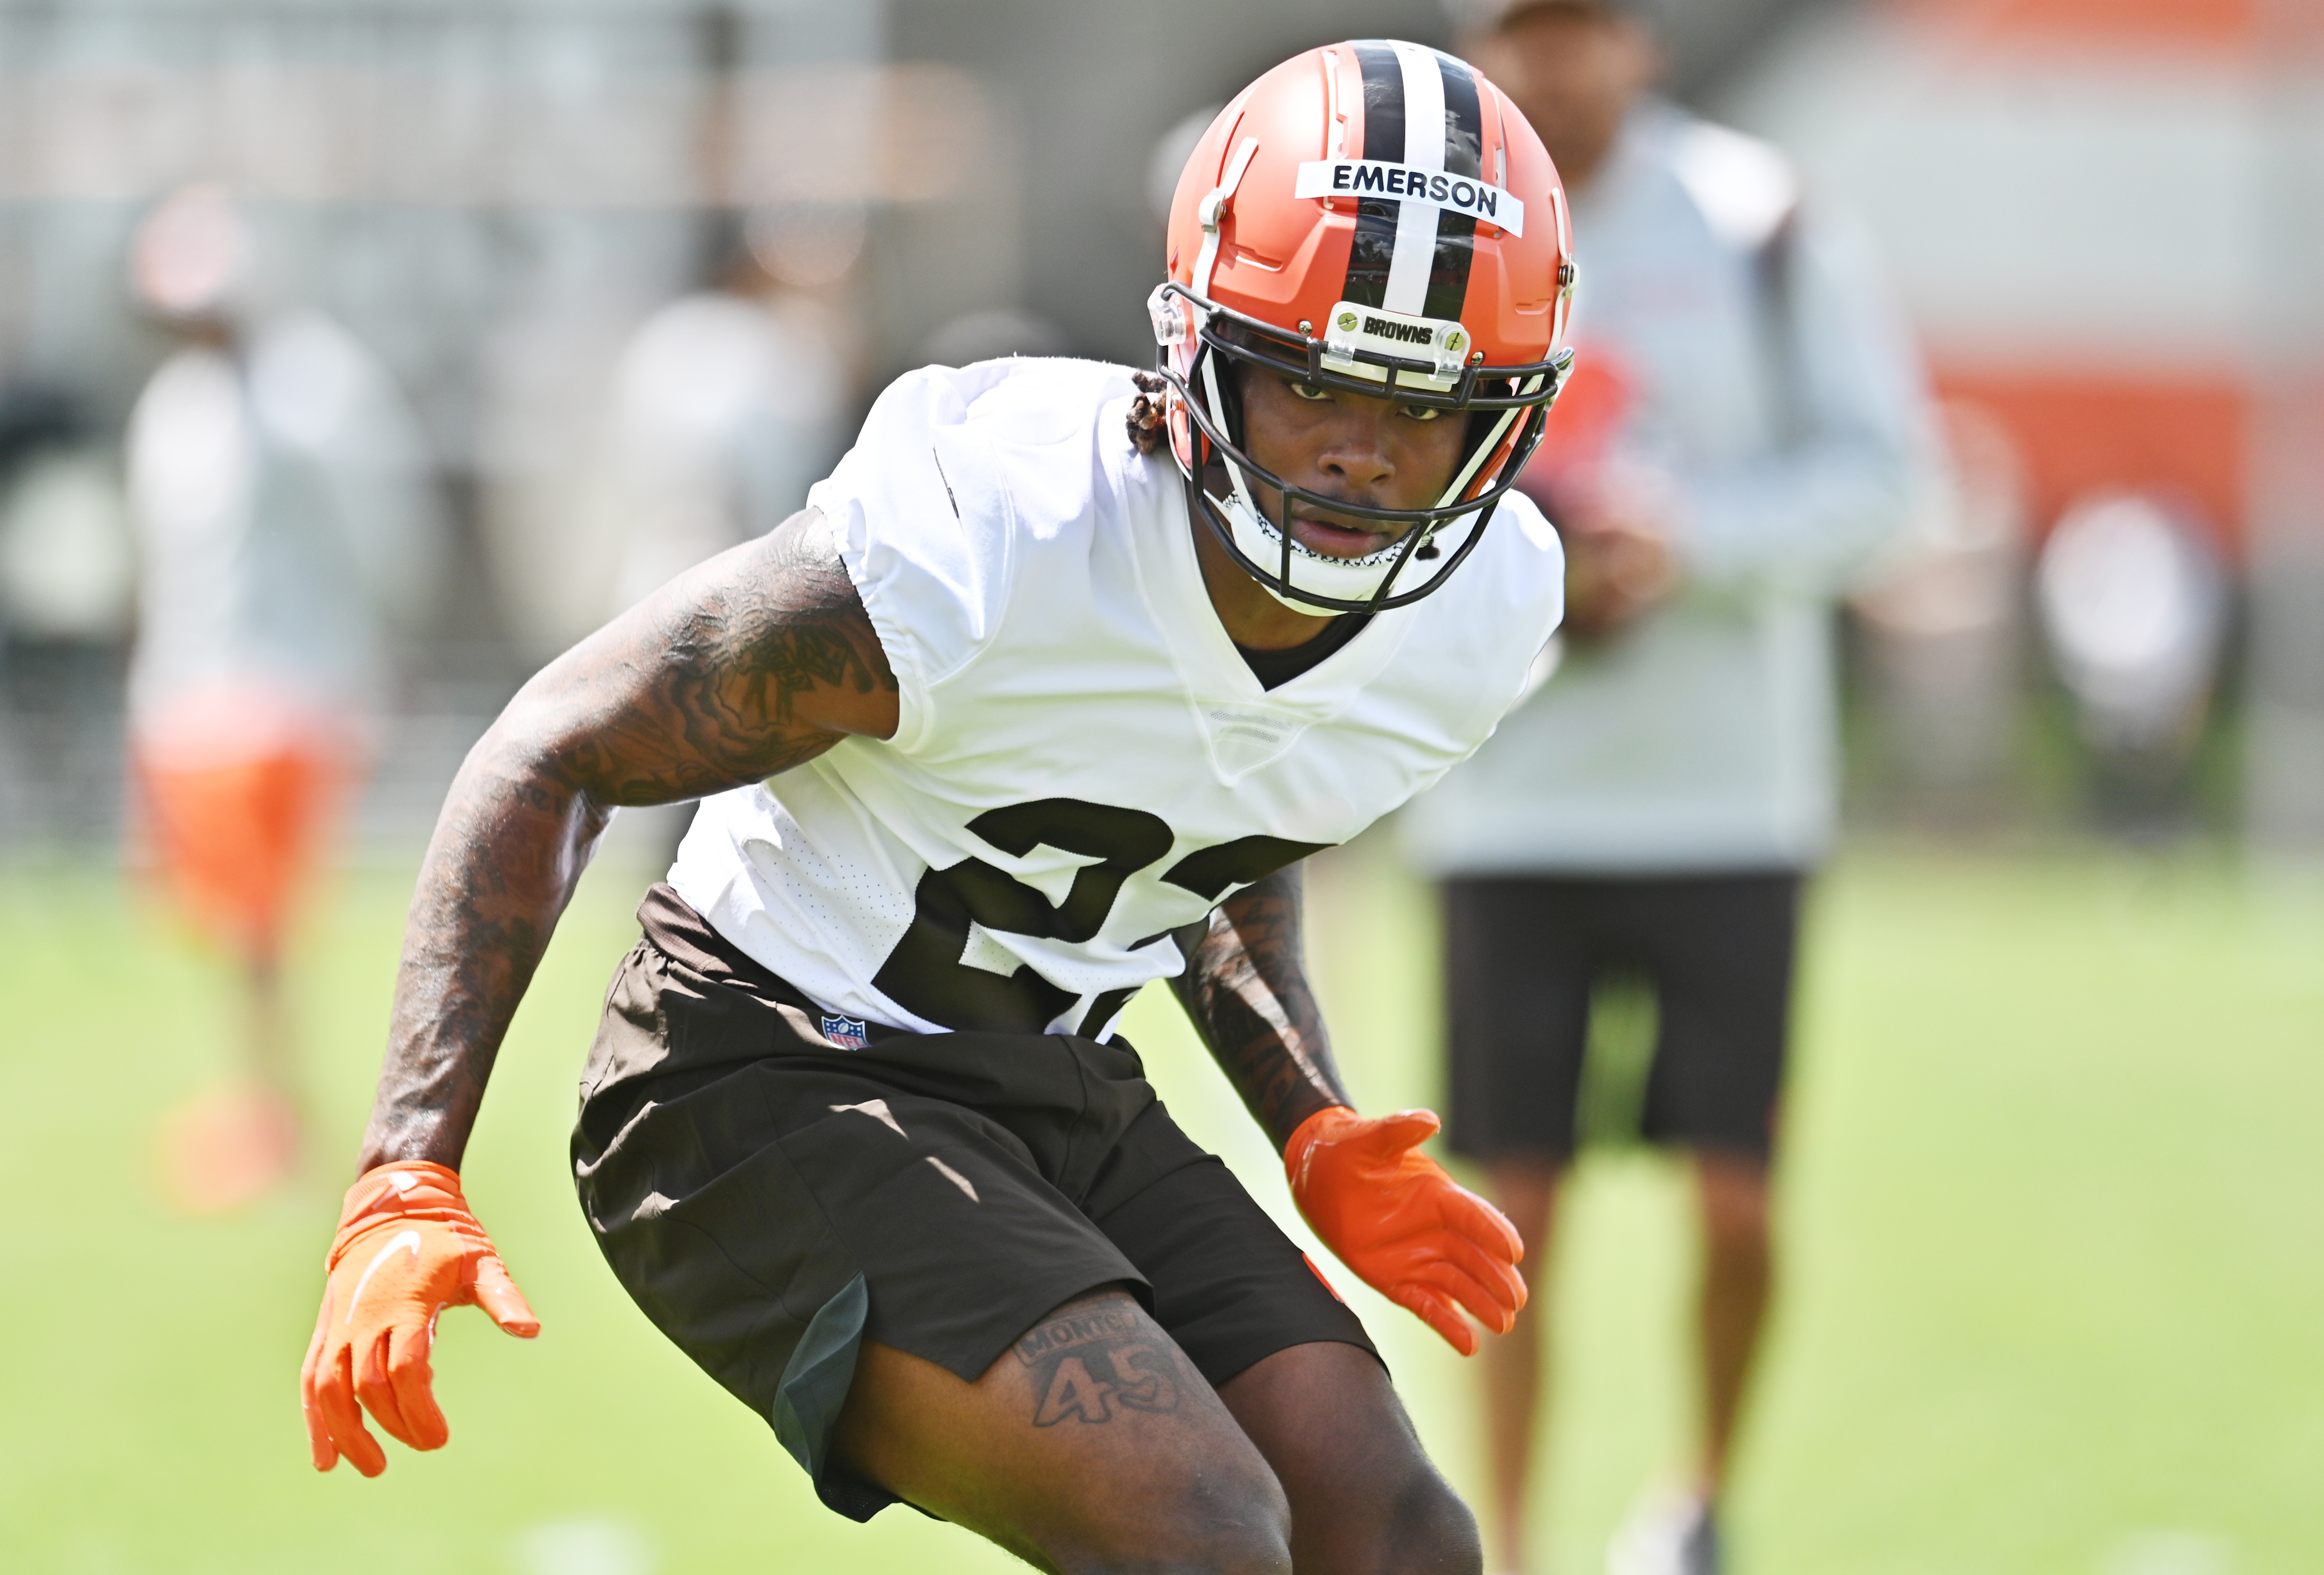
[{"x": 1423, "y": 149}]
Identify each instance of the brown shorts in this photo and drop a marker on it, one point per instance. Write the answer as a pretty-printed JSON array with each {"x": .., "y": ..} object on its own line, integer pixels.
[{"x": 770, "y": 1198}]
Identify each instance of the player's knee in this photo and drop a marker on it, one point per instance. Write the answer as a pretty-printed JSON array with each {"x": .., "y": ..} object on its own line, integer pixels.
[
  {"x": 1440, "y": 1532},
  {"x": 1236, "y": 1547},
  {"x": 1217, "y": 1550},
  {"x": 1231, "y": 1524},
  {"x": 1238, "y": 1526},
  {"x": 1433, "y": 1530}
]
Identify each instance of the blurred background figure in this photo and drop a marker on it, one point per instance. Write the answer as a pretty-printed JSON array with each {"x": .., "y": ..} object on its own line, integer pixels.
[
  {"x": 1941, "y": 620},
  {"x": 2134, "y": 607},
  {"x": 67, "y": 591},
  {"x": 726, "y": 403},
  {"x": 280, "y": 494},
  {"x": 1742, "y": 433},
  {"x": 700, "y": 422},
  {"x": 989, "y": 335}
]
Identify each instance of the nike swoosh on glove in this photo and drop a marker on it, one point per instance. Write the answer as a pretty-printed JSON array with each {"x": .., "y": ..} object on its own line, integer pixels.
[
  {"x": 406, "y": 1248},
  {"x": 1410, "y": 1231}
]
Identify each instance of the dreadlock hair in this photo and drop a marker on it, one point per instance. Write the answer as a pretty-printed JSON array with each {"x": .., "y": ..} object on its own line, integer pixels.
[{"x": 1145, "y": 419}]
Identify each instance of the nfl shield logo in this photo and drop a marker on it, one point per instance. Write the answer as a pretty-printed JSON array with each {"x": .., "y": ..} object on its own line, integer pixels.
[{"x": 847, "y": 1033}]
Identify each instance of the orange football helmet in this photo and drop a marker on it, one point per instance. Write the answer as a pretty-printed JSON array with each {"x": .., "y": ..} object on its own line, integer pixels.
[{"x": 1377, "y": 218}]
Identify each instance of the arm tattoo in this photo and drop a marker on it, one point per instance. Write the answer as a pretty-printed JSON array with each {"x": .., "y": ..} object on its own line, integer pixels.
[
  {"x": 1245, "y": 987},
  {"x": 757, "y": 660}
]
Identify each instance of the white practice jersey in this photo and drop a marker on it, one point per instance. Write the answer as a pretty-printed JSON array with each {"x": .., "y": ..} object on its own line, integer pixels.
[{"x": 1085, "y": 763}]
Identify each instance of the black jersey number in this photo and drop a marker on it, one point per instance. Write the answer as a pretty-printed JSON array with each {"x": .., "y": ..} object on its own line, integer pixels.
[{"x": 925, "y": 975}]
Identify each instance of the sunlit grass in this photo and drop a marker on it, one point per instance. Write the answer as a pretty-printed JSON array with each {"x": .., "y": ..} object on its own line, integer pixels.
[{"x": 2053, "y": 1208}]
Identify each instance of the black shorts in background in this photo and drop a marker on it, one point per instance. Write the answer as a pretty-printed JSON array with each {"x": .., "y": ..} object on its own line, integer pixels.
[
  {"x": 1522, "y": 955},
  {"x": 770, "y": 1198}
]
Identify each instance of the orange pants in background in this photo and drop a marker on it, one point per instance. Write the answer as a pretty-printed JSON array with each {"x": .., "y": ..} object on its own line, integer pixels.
[
  {"x": 233, "y": 839},
  {"x": 235, "y": 811}
]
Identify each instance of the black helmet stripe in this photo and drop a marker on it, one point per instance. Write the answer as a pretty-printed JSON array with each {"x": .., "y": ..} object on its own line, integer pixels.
[
  {"x": 1373, "y": 251},
  {"x": 1420, "y": 110},
  {"x": 1465, "y": 155}
]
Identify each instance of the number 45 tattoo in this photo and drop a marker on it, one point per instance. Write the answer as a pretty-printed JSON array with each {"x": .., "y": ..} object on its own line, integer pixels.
[{"x": 1085, "y": 1363}]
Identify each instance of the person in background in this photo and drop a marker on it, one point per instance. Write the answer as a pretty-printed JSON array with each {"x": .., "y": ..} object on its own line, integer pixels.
[
  {"x": 279, "y": 494},
  {"x": 725, "y": 403},
  {"x": 722, "y": 406},
  {"x": 621, "y": 445},
  {"x": 1742, "y": 430}
]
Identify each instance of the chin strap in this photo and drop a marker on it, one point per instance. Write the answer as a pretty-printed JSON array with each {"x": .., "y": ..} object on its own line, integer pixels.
[
  {"x": 1468, "y": 472},
  {"x": 1237, "y": 489}
]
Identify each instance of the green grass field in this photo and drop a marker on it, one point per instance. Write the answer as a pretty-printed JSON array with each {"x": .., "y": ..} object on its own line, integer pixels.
[{"x": 2054, "y": 1299}]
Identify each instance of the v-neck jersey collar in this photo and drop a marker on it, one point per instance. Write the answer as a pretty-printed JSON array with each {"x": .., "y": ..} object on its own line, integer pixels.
[{"x": 1170, "y": 581}]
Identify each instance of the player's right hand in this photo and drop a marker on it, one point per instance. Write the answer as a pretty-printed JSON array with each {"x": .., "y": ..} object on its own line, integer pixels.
[{"x": 406, "y": 1248}]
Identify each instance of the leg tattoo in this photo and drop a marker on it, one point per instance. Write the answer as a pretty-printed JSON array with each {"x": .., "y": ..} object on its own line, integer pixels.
[{"x": 1085, "y": 1363}]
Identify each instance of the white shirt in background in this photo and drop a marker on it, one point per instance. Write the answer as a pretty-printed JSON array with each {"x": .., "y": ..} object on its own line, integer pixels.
[
  {"x": 1784, "y": 409},
  {"x": 284, "y": 508},
  {"x": 724, "y": 410}
]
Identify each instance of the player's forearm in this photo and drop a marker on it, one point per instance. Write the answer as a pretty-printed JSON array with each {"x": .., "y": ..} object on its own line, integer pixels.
[
  {"x": 508, "y": 850},
  {"x": 1246, "y": 988},
  {"x": 751, "y": 664}
]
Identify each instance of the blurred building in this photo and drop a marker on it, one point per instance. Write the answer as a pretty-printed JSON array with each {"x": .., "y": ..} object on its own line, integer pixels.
[
  {"x": 2070, "y": 194},
  {"x": 496, "y": 196},
  {"x": 2095, "y": 209},
  {"x": 487, "y": 195}
]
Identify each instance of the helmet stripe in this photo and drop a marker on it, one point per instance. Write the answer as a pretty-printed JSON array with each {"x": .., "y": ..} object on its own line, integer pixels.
[
  {"x": 1465, "y": 155},
  {"x": 1377, "y": 218},
  {"x": 1422, "y": 110},
  {"x": 1414, "y": 257}
]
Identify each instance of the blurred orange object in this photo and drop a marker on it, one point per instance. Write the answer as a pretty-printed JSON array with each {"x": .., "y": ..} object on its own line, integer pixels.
[
  {"x": 1596, "y": 401},
  {"x": 233, "y": 838},
  {"x": 228, "y": 1147},
  {"x": 2179, "y": 432}
]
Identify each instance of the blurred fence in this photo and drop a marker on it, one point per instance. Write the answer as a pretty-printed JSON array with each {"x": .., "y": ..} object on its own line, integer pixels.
[
  {"x": 488, "y": 198},
  {"x": 492, "y": 196}
]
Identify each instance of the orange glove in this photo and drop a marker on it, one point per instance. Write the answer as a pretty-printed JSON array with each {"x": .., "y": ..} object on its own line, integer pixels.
[
  {"x": 1411, "y": 1232},
  {"x": 407, "y": 1249}
]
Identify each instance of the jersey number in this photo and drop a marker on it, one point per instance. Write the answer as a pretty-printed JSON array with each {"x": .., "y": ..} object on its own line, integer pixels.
[{"x": 925, "y": 975}]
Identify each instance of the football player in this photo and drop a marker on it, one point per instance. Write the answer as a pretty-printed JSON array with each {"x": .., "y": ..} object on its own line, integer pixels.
[{"x": 1042, "y": 698}]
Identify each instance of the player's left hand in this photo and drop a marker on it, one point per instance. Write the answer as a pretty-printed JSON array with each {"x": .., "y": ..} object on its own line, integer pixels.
[
  {"x": 1413, "y": 1234},
  {"x": 406, "y": 1248}
]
